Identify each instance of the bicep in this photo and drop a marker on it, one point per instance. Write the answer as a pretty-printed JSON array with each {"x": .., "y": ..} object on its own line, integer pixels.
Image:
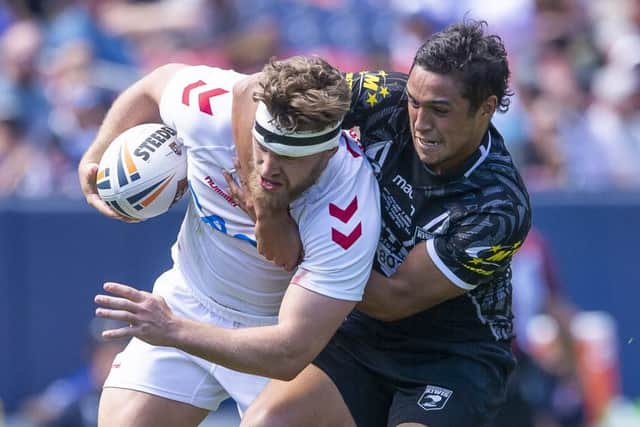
[{"x": 155, "y": 83}]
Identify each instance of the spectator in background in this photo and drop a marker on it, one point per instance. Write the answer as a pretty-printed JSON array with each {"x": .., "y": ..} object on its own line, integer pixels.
[
  {"x": 78, "y": 106},
  {"x": 192, "y": 31},
  {"x": 72, "y": 401},
  {"x": 20, "y": 79},
  {"x": 19, "y": 158},
  {"x": 573, "y": 124},
  {"x": 614, "y": 116}
]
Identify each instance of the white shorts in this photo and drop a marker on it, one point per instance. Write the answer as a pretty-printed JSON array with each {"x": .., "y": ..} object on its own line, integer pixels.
[{"x": 179, "y": 376}]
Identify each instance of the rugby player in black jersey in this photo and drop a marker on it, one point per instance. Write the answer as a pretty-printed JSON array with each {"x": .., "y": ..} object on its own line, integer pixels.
[{"x": 430, "y": 345}]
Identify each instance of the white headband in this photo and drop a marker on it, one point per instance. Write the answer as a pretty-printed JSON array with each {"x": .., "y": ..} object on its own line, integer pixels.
[{"x": 292, "y": 143}]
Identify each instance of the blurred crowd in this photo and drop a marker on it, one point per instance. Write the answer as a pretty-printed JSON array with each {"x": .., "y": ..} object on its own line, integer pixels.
[{"x": 574, "y": 122}]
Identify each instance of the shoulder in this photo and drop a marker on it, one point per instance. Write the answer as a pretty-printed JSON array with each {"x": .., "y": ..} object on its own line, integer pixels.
[
  {"x": 197, "y": 102},
  {"x": 347, "y": 190},
  {"x": 501, "y": 171},
  {"x": 374, "y": 80}
]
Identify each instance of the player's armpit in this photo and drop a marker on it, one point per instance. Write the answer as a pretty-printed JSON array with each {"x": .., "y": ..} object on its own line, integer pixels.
[{"x": 416, "y": 286}]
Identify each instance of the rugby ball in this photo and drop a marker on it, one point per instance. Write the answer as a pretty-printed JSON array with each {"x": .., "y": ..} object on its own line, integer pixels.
[{"x": 143, "y": 172}]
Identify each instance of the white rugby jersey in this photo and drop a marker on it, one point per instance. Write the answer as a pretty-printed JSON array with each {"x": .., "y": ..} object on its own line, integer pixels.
[{"x": 338, "y": 217}]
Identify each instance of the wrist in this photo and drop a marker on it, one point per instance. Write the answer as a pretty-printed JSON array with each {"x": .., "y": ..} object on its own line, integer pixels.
[
  {"x": 177, "y": 333},
  {"x": 272, "y": 215}
]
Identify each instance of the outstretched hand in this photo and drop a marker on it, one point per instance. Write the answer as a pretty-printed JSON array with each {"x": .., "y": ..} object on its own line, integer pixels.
[
  {"x": 148, "y": 315},
  {"x": 277, "y": 233},
  {"x": 87, "y": 173}
]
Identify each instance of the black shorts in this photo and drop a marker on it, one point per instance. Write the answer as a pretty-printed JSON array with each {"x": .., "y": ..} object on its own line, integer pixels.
[{"x": 449, "y": 391}]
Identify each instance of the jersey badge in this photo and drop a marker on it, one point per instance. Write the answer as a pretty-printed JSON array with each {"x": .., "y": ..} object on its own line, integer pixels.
[{"x": 434, "y": 398}]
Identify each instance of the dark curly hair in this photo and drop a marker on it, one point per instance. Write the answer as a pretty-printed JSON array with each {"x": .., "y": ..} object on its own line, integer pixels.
[{"x": 477, "y": 60}]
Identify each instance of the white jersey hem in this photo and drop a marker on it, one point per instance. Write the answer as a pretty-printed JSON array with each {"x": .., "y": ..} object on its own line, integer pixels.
[{"x": 431, "y": 251}]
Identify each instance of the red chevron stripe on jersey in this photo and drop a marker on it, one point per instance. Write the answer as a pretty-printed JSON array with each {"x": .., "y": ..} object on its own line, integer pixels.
[
  {"x": 204, "y": 98},
  {"x": 346, "y": 241},
  {"x": 187, "y": 90},
  {"x": 353, "y": 152},
  {"x": 345, "y": 214}
]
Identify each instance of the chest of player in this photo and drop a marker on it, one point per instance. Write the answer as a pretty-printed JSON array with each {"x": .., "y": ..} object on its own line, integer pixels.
[
  {"x": 211, "y": 196},
  {"x": 415, "y": 207}
]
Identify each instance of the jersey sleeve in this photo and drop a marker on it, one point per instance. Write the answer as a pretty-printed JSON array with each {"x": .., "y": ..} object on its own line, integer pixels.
[
  {"x": 340, "y": 239},
  {"x": 479, "y": 246},
  {"x": 373, "y": 94}
]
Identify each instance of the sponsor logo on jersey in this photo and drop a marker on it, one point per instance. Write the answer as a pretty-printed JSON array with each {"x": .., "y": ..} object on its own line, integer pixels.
[
  {"x": 434, "y": 398},
  {"x": 219, "y": 191},
  {"x": 402, "y": 183},
  {"x": 216, "y": 222}
]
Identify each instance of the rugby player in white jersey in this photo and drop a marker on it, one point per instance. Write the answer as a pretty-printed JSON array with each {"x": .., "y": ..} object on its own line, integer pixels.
[{"x": 224, "y": 319}]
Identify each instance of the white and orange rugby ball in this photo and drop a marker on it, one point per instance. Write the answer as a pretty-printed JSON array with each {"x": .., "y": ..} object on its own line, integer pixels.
[{"x": 143, "y": 172}]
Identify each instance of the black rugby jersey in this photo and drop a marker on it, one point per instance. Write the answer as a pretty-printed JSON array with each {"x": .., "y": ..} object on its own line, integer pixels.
[{"x": 473, "y": 220}]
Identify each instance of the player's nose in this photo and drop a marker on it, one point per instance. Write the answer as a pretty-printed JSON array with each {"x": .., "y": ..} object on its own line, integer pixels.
[
  {"x": 422, "y": 121},
  {"x": 270, "y": 164}
]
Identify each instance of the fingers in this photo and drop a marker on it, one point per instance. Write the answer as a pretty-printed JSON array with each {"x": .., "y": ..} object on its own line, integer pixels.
[
  {"x": 119, "y": 333},
  {"x": 125, "y": 291},
  {"x": 87, "y": 173},
  {"x": 119, "y": 315},
  {"x": 239, "y": 195},
  {"x": 116, "y": 303},
  {"x": 234, "y": 189},
  {"x": 241, "y": 174},
  {"x": 123, "y": 308},
  {"x": 96, "y": 202}
]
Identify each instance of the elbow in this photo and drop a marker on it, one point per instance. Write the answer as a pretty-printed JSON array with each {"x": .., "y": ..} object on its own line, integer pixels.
[
  {"x": 287, "y": 374},
  {"x": 392, "y": 312},
  {"x": 291, "y": 367},
  {"x": 245, "y": 87},
  {"x": 292, "y": 362},
  {"x": 395, "y": 304}
]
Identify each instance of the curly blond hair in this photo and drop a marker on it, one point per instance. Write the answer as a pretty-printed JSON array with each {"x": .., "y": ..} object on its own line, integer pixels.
[{"x": 303, "y": 93}]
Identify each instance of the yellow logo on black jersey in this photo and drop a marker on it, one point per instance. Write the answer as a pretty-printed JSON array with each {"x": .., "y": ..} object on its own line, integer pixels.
[{"x": 486, "y": 260}]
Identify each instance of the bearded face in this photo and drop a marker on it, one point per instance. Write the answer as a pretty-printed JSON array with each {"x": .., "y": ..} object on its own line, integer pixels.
[{"x": 276, "y": 181}]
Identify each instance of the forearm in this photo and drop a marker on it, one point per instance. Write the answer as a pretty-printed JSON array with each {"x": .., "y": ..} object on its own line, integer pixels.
[
  {"x": 417, "y": 286},
  {"x": 132, "y": 107},
  {"x": 266, "y": 351},
  {"x": 385, "y": 298}
]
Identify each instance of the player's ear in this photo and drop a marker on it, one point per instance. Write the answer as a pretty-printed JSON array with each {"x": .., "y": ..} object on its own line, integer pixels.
[{"x": 488, "y": 107}]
